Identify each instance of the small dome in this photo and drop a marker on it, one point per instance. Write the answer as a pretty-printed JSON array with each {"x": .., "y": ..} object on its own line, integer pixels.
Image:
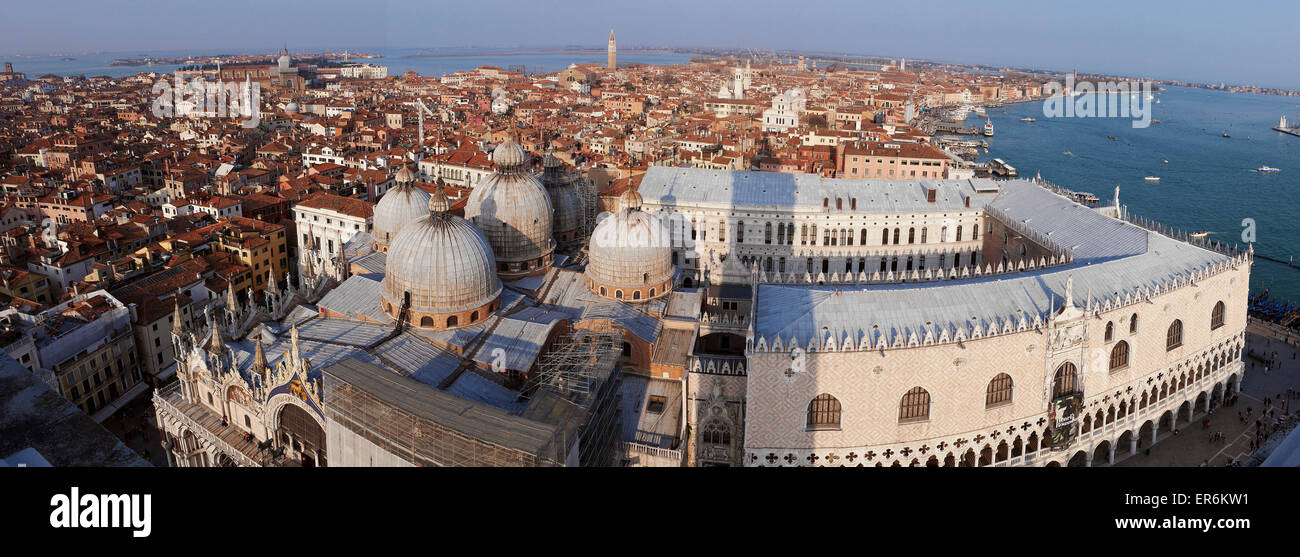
[
  {"x": 509, "y": 156},
  {"x": 549, "y": 161},
  {"x": 404, "y": 176},
  {"x": 438, "y": 202},
  {"x": 631, "y": 249},
  {"x": 630, "y": 200},
  {"x": 291, "y": 108},
  {"x": 444, "y": 263},
  {"x": 402, "y": 205}
]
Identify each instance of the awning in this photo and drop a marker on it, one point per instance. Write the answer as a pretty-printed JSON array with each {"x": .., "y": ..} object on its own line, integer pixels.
[{"x": 121, "y": 401}]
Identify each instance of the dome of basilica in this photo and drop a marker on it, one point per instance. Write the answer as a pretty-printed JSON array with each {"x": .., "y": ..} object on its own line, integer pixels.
[
  {"x": 399, "y": 207},
  {"x": 567, "y": 205},
  {"x": 513, "y": 211},
  {"x": 446, "y": 267},
  {"x": 630, "y": 255}
]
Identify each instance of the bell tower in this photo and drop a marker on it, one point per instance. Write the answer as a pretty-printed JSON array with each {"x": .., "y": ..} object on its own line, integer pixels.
[{"x": 612, "y": 51}]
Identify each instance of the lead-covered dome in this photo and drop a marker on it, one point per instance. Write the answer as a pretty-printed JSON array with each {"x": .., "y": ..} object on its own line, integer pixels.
[
  {"x": 566, "y": 205},
  {"x": 446, "y": 266},
  {"x": 402, "y": 205},
  {"x": 630, "y": 257},
  {"x": 513, "y": 211}
]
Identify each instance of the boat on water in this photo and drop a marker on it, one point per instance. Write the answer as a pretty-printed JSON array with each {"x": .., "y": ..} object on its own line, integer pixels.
[
  {"x": 1112, "y": 138},
  {"x": 1028, "y": 120},
  {"x": 1069, "y": 154},
  {"x": 1200, "y": 234},
  {"x": 979, "y": 110},
  {"x": 1267, "y": 170},
  {"x": 1155, "y": 121},
  {"x": 988, "y": 129},
  {"x": 1166, "y": 161},
  {"x": 1152, "y": 178},
  {"x": 1225, "y": 135}
]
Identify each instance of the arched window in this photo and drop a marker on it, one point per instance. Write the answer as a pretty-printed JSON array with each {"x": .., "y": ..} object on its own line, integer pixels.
[
  {"x": 923, "y": 231},
  {"x": 959, "y": 233},
  {"x": 767, "y": 233},
  {"x": 1110, "y": 331},
  {"x": 473, "y": 317},
  {"x": 884, "y": 237},
  {"x": 1133, "y": 324},
  {"x": 915, "y": 406},
  {"x": 426, "y": 321},
  {"x": 636, "y": 294},
  {"x": 863, "y": 239},
  {"x": 618, "y": 294},
  {"x": 740, "y": 232},
  {"x": 1174, "y": 338},
  {"x": 839, "y": 204},
  {"x": 652, "y": 292},
  {"x": 1216, "y": 317},
  {"x": 1066, "y": 380},
  {"x": 824, "y": 413},
  {"x": 717, "y": 434},
  {"x": 1119, "y": 356},
  {"x": 911, "y": 235},
  {"x": 896, "y": 231},
  {"x": 998, "y": 392},
  {"x": 627, "y": 349}
]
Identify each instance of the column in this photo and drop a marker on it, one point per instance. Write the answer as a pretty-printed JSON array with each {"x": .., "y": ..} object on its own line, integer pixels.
[
  {"x": 1110, "y": 458},
  {"x": 1088, "y": 459},
  {"x": 1133, "y": 445},
  {"x": 1155, "y": 426}
]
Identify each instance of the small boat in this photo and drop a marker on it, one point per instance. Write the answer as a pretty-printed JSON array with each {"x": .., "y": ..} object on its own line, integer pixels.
[
  {"x": 1267, "y": 170},
  {"x": 1155, "y": 121},
  {"x": 1225, "y": 135},
  {"x": 1152, "y": 178},
  {"x": 1069, "y": 154},
  {"x": 988, "y": 129},
  {"x": 1112, "y": 138},
  {"x": 1200, "y": 234},
  {"x": 1166, "y": 161},
  {"x": 1028, "y": 120}
]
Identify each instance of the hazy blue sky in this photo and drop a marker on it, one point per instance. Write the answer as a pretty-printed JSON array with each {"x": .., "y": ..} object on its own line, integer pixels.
[{"x": 1238, "y": 41}]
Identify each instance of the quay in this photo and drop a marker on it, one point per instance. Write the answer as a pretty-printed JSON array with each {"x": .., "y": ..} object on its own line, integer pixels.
[{"x": 1288, "y": 131}]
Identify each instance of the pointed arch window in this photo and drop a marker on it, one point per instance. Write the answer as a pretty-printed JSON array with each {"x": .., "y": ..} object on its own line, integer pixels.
[
  {"x": 998, "y": 392},
  {"x": 823, "y": 413},
  {"x": 1174, "y": 337},
  {"x": 915, "y": 406}
]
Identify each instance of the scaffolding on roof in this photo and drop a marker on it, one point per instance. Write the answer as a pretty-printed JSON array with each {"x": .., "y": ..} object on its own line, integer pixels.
[{"x": 578, "y": 361}]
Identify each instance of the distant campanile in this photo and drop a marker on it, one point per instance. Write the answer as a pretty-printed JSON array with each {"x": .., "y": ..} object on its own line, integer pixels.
[{"x": 612, "y": 51}]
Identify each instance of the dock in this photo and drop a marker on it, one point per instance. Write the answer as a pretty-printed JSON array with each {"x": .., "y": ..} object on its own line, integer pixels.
[{"x": 1288, "y": 131}]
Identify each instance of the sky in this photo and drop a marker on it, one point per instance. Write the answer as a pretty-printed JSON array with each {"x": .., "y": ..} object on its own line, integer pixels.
[{"x": 1242, "y": 41}]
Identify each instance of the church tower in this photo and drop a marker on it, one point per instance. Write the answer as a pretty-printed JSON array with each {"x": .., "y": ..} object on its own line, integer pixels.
[{"x": 612, "y": 51}]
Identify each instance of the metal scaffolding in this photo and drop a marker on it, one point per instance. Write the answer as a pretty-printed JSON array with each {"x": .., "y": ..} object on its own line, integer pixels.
[
  {"x": 582, "y": 368},
  {"x": 578, "y": 361}
]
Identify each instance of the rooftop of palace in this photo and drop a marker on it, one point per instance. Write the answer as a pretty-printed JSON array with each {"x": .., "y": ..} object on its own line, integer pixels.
[
  {"x": 670, "y": 186},
  {"x": 1115, "y": 263}
]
